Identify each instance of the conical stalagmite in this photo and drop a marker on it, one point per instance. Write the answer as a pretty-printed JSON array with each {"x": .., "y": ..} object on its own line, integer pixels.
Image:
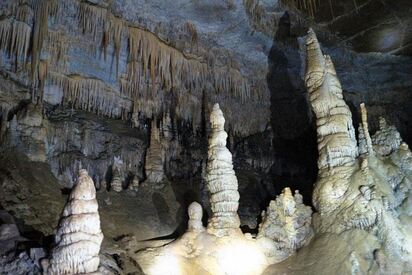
[
  {"x": 78, "y": 237},
  {"x": 221, "y": 179},
  {"x": 336, "y": 135}
]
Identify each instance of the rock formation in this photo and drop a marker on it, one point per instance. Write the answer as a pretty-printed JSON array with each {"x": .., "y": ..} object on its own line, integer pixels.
[
  {"x": 223, "y": 248},
  {"x": 134, "y": 184},
  {"x": 367, "y": 193},
  {"x": 336, "y": 135},
  {"x": 287, "y": 222},
  {"x": 195, "y": 212},
  {"x": 221, "y": 179},
  {"x": 117, "y": 175},
  {"x": 155, "y": 157},
  {"x": 78, "y": 237}
]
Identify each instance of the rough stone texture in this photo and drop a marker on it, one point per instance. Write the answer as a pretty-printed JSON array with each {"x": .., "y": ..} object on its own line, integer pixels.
[
  {"x": 195, "y": 212},
  {"x": 287, "y": 222},
  {"x": 364, "y": 199},
  {"x": 336, "y": 135},
  {"x": 223, "y": 248},
  {"x": 117, "y": 176},
  {"x": 78, "y": 237},
  {"x": 221, "y": 179},
  {"x": 155, "y": 157}
]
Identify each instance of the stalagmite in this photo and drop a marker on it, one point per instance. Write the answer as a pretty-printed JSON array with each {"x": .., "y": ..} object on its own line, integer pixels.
[
  {"x": 365, "y": 130},
  {"x": 336, "y": 135},
  {"x": 387, "y": 139},
  {"x": 134, "y": 184},
  {"x": 221, "y": 179},
  {"x": 222, "y": 248},
  {"x": 366, "y": 193},
  {"x": 287, "y": 222},
  {"x": 155, "y": 157},
  {"x": 78, "y": 237},
  {"x": 117, "y": 175},
  {"x": 195, "y": 212}
]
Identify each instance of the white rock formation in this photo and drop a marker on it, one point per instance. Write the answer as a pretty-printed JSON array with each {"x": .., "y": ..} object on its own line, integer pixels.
[
  {"x": 78, "y": 237},
  {"x": 287, "y": 222},
  {"x": 221, "y": 179},
  {"x": 195, "y": 212},
  {"x": 155, "y": 157},
  {"x": 367, "y": 193},
  {"x": 223, "y": 249},
  {"x": 336, "y": 135},
  {"x": 364, "y": 138}
]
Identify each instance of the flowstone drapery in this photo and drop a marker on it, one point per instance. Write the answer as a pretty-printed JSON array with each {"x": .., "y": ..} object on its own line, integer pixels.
[{"x": 78, "y": 237}]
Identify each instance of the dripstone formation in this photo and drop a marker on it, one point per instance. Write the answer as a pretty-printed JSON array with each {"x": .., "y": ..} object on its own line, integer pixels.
[
  {"x": 78, "y": 237},
  {"x": 223, "y": 248},
  {"x": 221, "y": 179}
]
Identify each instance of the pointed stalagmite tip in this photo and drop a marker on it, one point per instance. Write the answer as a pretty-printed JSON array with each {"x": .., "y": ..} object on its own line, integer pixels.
[{"x": 216, "y": 117}]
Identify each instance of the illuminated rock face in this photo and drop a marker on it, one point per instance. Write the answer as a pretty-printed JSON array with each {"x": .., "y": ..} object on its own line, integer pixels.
[
  {"x": 78, "y": 237},
  {"x": 221, "y": 179},
  {"x": 336, "y": 135},
  {"x": 369, "y": 192}
]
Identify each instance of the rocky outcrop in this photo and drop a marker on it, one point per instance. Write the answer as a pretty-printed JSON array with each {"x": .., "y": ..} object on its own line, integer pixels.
[
  {"x": 221, "y": 179},
  {"x": 78, "y": 237}
]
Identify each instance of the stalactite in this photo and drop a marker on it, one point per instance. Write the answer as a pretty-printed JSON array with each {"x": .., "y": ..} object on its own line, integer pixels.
[
  {"x": 43, "y": 70},
  {"x": 91, "y": 18},
  {"x": 57, "y": 45},
  {"x": 113, "y": 33},
  {"x": 260, "y": 18},
  {"x": 191, "y": 30},
  {"x": 15, "y": 38},
  {"x": 91, "y": 95},
  {"x": 310, "y": 6},
  {"x": 41, "y": 27},
  {"x": 23, "y": 12}
]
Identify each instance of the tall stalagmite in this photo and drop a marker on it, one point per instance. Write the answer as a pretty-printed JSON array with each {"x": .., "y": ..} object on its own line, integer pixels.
[
  {"x": 221, "y": 179},
  {"x": 353, "y": 194},
  {"x": 78, "y": 237},
  {"x": 336, "y": 135}
]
